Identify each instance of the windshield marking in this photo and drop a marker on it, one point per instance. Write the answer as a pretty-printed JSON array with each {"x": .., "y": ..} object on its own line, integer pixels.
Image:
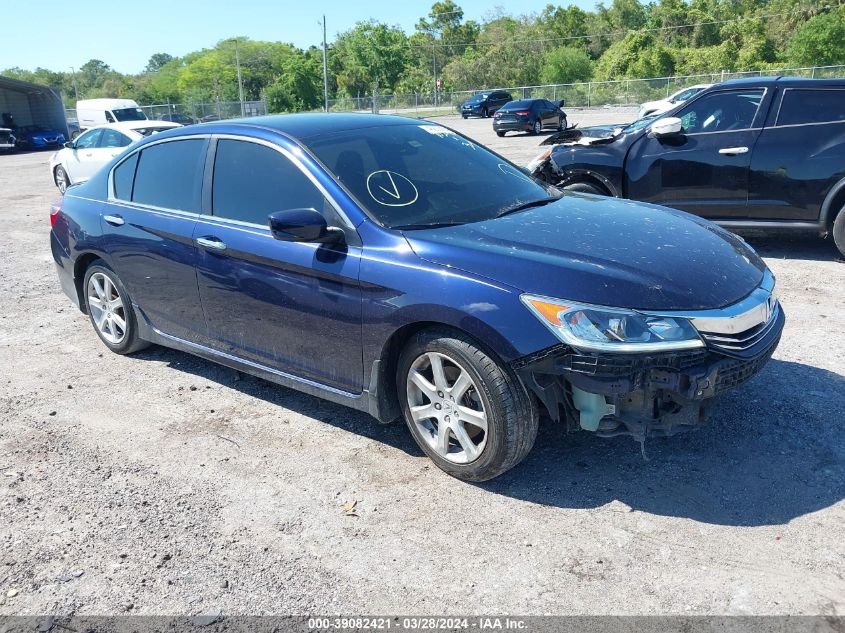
[{"x": 392, "y": 189}]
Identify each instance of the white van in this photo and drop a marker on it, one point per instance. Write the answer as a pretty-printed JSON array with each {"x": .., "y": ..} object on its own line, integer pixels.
[{"x": 94, "y": 112}]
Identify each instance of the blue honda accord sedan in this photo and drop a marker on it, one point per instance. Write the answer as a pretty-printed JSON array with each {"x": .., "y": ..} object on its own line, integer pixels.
[{"x": 399, "y": 268}]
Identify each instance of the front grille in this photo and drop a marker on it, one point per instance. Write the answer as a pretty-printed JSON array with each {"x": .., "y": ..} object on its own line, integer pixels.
[
  {"x": 613, "y": 365},
  {"x": 737, "y": 372},
  {"x": 742, "y": 341}
]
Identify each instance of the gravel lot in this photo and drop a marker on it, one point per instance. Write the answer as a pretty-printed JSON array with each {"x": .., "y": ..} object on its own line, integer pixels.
[{"x": 165, "y": 484}]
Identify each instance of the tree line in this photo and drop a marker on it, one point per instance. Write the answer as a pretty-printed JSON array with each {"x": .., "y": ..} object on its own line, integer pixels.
[{"x": 626, "y": 39}]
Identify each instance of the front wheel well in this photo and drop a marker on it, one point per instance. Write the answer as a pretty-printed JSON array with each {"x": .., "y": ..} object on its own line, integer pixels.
[
  {"x": 82, "y": 263},
  {"x": 586, "y": 179},
  {"x": 383, "y": 385}
]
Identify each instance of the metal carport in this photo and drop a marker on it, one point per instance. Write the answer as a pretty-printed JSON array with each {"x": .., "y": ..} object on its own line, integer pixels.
[{"x": 32, "y": 104}]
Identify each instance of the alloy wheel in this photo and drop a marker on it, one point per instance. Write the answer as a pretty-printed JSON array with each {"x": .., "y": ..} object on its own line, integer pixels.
[
  {"x": 107, "y": 309},
  {"x": 538, "y": 127},
  {"x": 61, "y": 179},
  {"x": 446, "y": 407}
]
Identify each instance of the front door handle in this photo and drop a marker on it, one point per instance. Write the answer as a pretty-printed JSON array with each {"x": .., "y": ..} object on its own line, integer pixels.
[
  {"x": 733, "y": 151},
  {"x": 114, "y": 220},
  {"x": 211, "y": 243}
]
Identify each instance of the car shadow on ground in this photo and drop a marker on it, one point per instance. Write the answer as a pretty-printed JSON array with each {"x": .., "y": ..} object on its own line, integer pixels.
[
  {"x": 806, "y": 246},
  {"x": 772, "y": 451}
]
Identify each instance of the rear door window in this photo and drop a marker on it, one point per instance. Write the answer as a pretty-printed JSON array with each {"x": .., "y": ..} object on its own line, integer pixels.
[
  {"x": 801, "y": 105},
  {"x": 251, "y": 181},
  {"x": 123, "y": 177},
  {"x": 169, "y": 174},
  {"x": 113, "y": 138}
]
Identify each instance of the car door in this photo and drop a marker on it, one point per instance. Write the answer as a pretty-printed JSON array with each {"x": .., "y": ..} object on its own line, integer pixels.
[
  {"x": 800, "y": 154},
  {"x": 550, "y": 114},
  {"x": 78, "y": 158},
  {"x": 703, "y": 169},
  {"x": 148, "y": 224},
  {"x": 294, "y": 307}
]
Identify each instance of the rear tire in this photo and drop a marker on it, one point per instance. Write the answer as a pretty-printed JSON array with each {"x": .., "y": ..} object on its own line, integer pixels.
[
  {"x": 500, "y": 134},
  {"x": 110, "y": 310},
  {"x": 471, "y": 415},
  {"x": 585, "y": 187},
  {"x": 839, "y": 231},
  {"x": 485, "y": 113}
]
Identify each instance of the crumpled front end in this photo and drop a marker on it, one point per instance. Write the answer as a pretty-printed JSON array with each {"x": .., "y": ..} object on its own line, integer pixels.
[{"x": 652, "y": 394}]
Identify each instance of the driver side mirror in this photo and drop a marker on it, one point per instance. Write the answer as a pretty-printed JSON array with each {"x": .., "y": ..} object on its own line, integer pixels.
[
  {"x": 561, "y": 103},
  {"x": 303, "y": 225},
  {"x": 670, "y": 126},
  {"x": 70, "y": 145}
]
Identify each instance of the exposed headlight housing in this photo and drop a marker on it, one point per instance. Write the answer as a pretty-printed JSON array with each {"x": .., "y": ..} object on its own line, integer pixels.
[{"x": 602, "y": 329}]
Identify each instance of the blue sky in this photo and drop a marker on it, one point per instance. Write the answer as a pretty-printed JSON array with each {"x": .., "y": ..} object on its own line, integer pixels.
[{"x": 64, "y": 33}]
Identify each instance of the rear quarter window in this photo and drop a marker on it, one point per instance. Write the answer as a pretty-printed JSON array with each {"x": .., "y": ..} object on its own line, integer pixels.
[
  {"x": 123, "y": 177},
  {"x": 811, "y": 105},
  {"x": 169, "y": 175}
]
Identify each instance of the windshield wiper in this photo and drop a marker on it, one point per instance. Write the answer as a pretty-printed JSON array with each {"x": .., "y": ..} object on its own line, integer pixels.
[
  {"x": 525, "y": 205},
  {"x": 418, "y": 227}
]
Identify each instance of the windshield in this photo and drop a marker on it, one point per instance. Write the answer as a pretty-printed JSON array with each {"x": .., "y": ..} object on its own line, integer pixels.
[
  {"x": 639, "y": 124},
  {"x": 421, "y": 175},
  {"x": 129, "y": 114},
  {"x": 148, "y": 131},
  {"x": 477, "y": 98}
]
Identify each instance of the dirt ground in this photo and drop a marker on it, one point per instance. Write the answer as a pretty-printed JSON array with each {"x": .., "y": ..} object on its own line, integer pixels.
[{"x": 164, "y": 484}]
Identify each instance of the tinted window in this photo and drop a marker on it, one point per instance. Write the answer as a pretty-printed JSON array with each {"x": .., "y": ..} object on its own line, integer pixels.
[
  {"x": 252, "y": 181},
  {"x": 169, "y": 175},
  {"x": 811, "y": 106},
  {"x": 423, "y": 174},
  {"x": 88, "y": 140},
  {"x": 113, "y": 138},
  {"x": 130, "y": 114},
  {"x": 721, "y": 111},
  {"x": 123, "y": 176},
  {"x": 522, "y": 104}
]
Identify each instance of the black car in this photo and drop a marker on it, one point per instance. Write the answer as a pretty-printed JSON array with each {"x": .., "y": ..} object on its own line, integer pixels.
[
  {"x": 529, "y": 115},
  {"x": 750, "y": 153},
  {"x": 484, "y": 104},
  {"x": 178, "y": 117}
]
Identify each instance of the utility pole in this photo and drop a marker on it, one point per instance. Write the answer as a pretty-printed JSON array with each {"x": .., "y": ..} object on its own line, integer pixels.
[
  {"x": 325, "y": 70},
  {"x": 434, "y": 65},
  {"x": 75, "y": 86},
  {"x": 240, "y": 81}
]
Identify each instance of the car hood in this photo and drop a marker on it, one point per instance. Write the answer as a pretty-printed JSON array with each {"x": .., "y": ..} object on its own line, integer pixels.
[{"x": 602, "y": 251}]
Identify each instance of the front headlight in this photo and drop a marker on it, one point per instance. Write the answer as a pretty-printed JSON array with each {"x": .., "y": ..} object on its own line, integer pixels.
[{"x": 600, "y": 329}]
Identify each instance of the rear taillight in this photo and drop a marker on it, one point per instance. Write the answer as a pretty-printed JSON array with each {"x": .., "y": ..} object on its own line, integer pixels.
[
  {"x": 521, "y": 112},
  {"x": 55, "y": 212}
]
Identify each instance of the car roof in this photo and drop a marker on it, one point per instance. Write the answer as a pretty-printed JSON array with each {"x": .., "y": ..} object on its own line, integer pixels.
[
  {"x": 129, "y": 126},
  {"x": 781, "y": 81},
  {"x": 308, "y": 125}
]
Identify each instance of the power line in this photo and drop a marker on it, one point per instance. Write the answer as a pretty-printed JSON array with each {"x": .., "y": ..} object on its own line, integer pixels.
[{"x": 605, "y": 34}]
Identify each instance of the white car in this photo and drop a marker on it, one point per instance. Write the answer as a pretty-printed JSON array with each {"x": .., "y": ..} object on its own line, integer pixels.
[
  {"x": 81, "y": 158},
  {"x": 664, "y": 105}
]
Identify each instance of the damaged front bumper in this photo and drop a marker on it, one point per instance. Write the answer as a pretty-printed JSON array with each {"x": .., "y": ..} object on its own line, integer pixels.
[{"x": 640, "y": 394}]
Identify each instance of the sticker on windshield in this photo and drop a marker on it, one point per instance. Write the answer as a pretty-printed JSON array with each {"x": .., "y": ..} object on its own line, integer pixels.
[
  {"x": 391, "y": 189},
  {"x": 438, "y": 130}
]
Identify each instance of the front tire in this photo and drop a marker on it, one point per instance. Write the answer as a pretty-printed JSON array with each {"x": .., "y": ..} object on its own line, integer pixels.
[
  {"x": 470, "y": 414},
  {"x": 585, "y": 187},
  {"x": 110, "y": 310},
  {"x": 500, "y": 134},
  {"x": 61, "y": 179},
  {"x": 839, "y": 231},
  {"x": 485, "y": 113}
]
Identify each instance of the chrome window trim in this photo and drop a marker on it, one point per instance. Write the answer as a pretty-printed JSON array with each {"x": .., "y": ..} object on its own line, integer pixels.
[
  {"x": 291, "y": 156},
  {"x": 807, "y": 88}
]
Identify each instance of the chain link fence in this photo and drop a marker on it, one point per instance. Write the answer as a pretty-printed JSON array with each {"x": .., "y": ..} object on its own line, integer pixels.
[
  {"x": 624, "y": 92},
  {"x": 591, "y": 94}
]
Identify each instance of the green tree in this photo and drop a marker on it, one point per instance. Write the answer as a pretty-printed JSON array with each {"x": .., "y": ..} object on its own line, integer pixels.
[
  {"x": 819, "y": 42},
  {"x": 157, "y": 61},
  {"x": 566, "y": 65},
  {"x": 369, "y": 57}
]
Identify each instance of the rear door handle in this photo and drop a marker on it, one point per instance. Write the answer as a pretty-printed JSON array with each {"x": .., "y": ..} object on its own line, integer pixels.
[
  {"x": 211, "y": 243},
  {"x": 114, "y": 220},
  {"x": 733, "y": 151}
]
